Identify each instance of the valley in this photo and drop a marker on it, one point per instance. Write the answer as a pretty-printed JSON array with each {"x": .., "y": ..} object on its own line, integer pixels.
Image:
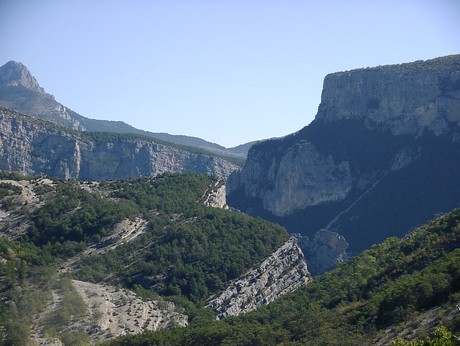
[{"x": 345, "y": 232}]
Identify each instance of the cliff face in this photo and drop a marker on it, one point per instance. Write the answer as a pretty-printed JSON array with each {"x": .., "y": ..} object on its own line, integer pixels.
[
  {"x": 380, "y": 157},
  {"x": 406, "y": 98},
  {"x": 281, "y": 273},
  {"x": 20, "y": 91},
  {"x": 34, "y": 147}
]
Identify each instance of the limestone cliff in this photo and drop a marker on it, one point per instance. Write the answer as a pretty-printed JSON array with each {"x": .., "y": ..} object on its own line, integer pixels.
[
  {"x": 20, "y": 91},
  {"x": 34, "y": 147},
  {"x": 281, "y": 273},
  {"x": 381, "y": 156},
  {"x": 324, "y": 251},
  {"x": 406, "y": 98}
]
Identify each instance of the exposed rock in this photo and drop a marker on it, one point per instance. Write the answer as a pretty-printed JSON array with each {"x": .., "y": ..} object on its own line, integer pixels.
[
  {"x": 123, "y": 232},
  {"x": 300, "y": 169},
  {"x": 281, "y": 273},
  {"x": 324, "y": 251},
  {"x": 215, "y": 195},
  {"x": 20, "y": 91},
  {"x": 34, "y": 147},
  {"x": 112, "y": 312},
  {"x": 406, "y": 98},
  {"x": 381, "y": 157},
  {"x": 16, "y": 74}
]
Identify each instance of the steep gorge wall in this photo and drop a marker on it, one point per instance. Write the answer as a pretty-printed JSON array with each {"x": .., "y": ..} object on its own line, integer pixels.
[
  {"x": 385, "y": 140},
  {"x": 34, "y": 147}
]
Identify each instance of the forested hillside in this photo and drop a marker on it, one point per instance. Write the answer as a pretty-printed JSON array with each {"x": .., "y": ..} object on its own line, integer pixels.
[
  {"x": 400, "y": 288},
  {"x": 152, "y": 236}
]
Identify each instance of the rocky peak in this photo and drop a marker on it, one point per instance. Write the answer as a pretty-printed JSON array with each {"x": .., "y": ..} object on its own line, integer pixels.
[{"x": 16, "y": 74}]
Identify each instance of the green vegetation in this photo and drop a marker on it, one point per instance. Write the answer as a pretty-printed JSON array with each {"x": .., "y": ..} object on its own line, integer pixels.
[
  {"x": 26, "y": 276},
  {"x": 190, "y": 250},
  {"x": 6, "y": 175},
  {"x": 441, "y": 337},
  {"x": 72, "y": 214},
  {"x": 71, "y": 308},
  {"x": 387, "y": 286}
]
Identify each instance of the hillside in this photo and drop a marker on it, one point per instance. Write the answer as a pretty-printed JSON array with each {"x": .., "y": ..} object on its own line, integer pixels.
[
  {"x": 20, "y": 91},
  {"x": 402, "y": 288},
  {"x": 381, "y": 157},
  {"x": 95, "y": 260}
]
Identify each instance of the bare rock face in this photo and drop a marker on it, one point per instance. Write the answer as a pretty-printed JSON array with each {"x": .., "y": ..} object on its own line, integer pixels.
[
  {"x": 35, "y": 147},
  {"x": 16, "y": 74},
  {"x": 381, "y": 157},
  {"x": 406, "y": 98},
  {"x": 324, "y": 251},
  {"x": 299, "y": 179},
  {"x": 283, "y": 272},
  {"x": 215, "y": 195}
]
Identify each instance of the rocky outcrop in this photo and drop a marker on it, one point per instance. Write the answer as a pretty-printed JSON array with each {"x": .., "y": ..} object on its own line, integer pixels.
[
  {"x": 380, "y": 157},
  {"x": 35, "y": 147},
  {"x": 215, "y": 195},
  {"x": 113, "y": 312},
  {"x": 324, "y": 251},
  {"x": 281, "y": 273}
]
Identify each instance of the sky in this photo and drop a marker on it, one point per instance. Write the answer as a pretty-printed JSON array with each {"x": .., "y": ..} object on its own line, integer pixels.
[{"x": 229, "y": 72}]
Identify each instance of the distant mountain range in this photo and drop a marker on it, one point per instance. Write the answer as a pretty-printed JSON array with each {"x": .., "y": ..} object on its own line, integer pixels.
[{"x": 20, "y": 91}]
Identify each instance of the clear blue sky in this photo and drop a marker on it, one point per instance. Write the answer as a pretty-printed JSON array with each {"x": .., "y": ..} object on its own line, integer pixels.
[{"x": 226, "y": 71}]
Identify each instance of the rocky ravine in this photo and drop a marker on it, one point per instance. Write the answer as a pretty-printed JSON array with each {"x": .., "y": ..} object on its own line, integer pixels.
[
  {"x": 34, "y": 147},
  {"x": 381, "y": 156},
  {"x": 281, "y": 273}
]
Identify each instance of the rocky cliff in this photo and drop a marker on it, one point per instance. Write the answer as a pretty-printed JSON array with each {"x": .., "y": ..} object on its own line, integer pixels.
[
  {"x": 281, "y": 273},
  {"x": 324, "y": 251},
  {"x": 20, "y": 91},
  {"x": 383, "y": 154},
  {"x": 34, "y": 147}
]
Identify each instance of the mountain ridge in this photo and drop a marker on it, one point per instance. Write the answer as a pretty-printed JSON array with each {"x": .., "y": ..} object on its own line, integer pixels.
[{"x": 20, "y": 91}]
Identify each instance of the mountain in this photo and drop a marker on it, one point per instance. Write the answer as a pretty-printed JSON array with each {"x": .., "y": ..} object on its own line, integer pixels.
[
  {"x": 381, "y": 157},
  {"x": 35, "y": 147},
  {"x": 90, "y": 261},
  {"x": 399, "y": 291},
  {"x": 20, "y": 91}
]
